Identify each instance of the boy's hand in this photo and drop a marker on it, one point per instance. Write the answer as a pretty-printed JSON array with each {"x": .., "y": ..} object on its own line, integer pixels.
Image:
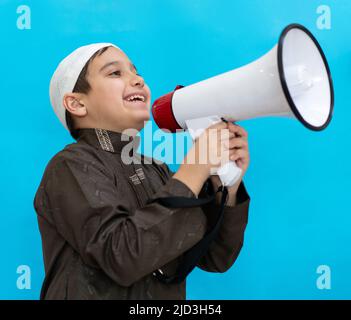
[
  {"x": 239, "y": 146},
  {"x": 208, "y": 152}
]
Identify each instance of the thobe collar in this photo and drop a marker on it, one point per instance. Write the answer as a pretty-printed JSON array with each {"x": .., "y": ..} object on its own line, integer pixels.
[{"x": 107, "y": 140}]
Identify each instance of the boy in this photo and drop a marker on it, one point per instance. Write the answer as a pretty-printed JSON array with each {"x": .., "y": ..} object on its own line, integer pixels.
[{"x": 102, "y": 238}]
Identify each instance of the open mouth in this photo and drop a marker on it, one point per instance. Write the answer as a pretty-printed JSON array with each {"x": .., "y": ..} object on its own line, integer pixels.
[
  {"x": 136, "y": 97},
  {"x": 136, "y": 100}
]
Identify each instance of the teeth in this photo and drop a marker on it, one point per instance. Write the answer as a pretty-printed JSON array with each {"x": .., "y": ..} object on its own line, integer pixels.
[{"x": 137, "y": 96}]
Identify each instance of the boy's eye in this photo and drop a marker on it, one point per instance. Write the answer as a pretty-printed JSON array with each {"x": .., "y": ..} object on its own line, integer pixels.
[{"x": 117, "y": 73}]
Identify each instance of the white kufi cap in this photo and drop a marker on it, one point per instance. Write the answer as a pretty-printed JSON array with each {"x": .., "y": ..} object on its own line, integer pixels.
[{"x": 66, "y": 75}]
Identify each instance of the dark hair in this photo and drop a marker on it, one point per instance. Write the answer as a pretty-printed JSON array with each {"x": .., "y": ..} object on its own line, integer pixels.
[{"x": 82, "y": 86}]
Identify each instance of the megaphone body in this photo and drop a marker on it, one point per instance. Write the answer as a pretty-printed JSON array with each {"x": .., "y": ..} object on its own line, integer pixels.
[{"x": 292, "y": 80}]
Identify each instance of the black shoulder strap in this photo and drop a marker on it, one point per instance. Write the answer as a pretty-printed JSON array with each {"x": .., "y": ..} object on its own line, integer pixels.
[{"x": 191, "y": 257}]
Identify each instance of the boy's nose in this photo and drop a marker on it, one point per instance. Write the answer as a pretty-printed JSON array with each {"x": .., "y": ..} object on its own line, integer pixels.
[{"x": 137, "y": 81}]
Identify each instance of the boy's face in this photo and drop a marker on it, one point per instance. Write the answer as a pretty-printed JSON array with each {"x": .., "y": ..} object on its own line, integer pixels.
[{"x": 111, "y": 84}]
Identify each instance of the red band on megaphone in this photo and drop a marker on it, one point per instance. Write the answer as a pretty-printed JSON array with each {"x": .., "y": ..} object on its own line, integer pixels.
[{"x": 162, "y": 112}]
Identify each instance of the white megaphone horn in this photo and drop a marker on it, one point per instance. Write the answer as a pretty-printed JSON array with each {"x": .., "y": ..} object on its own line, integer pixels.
[{"x": 292, "y": 80}]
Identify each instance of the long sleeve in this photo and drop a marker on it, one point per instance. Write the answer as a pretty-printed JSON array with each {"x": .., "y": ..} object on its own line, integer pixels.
[
  {"x": 227, "y": 245},
  {"x": 92, "y": 215}
]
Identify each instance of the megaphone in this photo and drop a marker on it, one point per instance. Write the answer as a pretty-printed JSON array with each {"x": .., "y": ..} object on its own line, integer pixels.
[{"x": 292, "y": 80}]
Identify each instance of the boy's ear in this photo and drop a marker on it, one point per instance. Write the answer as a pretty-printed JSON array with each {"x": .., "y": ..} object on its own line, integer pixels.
[{"x": 74, "y": 104}]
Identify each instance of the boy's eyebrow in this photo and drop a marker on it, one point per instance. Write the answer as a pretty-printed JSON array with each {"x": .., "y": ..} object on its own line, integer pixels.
[{"x": 132, "y": 66}]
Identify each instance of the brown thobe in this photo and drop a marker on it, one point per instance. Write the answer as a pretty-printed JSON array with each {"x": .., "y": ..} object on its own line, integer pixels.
[{"x": 100, "y": 237}]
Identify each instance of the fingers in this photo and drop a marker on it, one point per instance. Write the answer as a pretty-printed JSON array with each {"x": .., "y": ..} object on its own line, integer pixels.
[
  {"x": 235, "y": 154},
  {"x": 225, "y": 135},
  {"x": 234, "y": 128},
  {"x": 220, "y": 130},
  {"x": 236, "y": 143}
]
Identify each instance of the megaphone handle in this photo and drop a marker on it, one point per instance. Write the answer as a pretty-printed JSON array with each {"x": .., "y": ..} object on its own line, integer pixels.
[{"x": 229, "y": 173}]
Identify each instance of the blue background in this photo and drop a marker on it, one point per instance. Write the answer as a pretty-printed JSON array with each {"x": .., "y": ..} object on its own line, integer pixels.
[{"x": 298, "y": 180}]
